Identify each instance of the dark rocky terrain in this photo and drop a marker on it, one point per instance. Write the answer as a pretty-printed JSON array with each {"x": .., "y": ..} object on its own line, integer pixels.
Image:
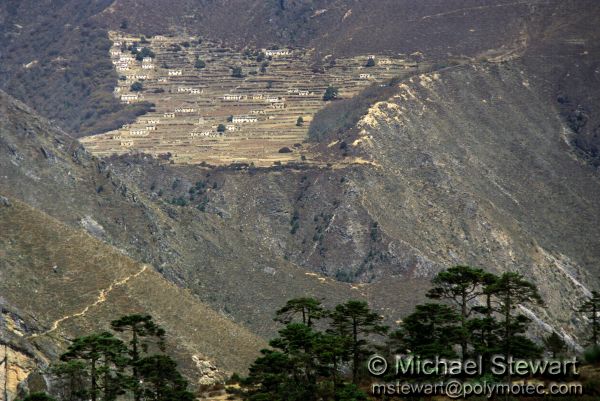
[
  {"x": 490, "y": 160},
  {"x": 55, "y": 55}
]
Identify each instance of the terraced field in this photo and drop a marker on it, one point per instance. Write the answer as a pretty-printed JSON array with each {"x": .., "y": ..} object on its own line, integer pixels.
[{"x": 205, "y": 113}]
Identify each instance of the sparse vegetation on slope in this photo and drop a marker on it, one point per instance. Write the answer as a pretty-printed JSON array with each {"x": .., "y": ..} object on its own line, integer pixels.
[
  {"x": 43, "y": 257},
  {"x": 57, "y": 61}
]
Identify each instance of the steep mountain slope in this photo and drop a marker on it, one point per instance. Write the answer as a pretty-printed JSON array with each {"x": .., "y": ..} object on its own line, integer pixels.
[
  {"x": 341, "y": 27},
  {"x": 488, "y": 163},
  {"x": 478, "y": 170},
  {"x": 225, "y": 266},
  {"x": 88, "y": 283},
  {"x": 55, "y": 59},
  {"x": 467, "y": 165},
  {"x": 55, "y": 55},
  {"x": 564, "y": 52}
]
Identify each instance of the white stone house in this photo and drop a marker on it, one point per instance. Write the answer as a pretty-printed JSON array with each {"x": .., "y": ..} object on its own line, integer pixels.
[
  {"x": 230, "y": 98},
  {"x": 129, "y": 97},
  {"x": 244, "y": 119},
  {"x": 277, "y": 53},
  {"x": 138, "y": 132},
  {"x": 185, "y": 110}
]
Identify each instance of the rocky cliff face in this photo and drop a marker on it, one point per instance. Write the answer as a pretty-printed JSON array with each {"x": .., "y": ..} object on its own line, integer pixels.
[
  {"x": 15, "y": 368},
  {"x": 470, "y": 164},
  {"x": 201, "y": 251},
  {"x": 19, "y": 366},
  {"x": 18, "y": 357},
  {"x": 88, "y": 282},
  {"x": 478, "y": 169},
  {"x": 487, "y": 163}
]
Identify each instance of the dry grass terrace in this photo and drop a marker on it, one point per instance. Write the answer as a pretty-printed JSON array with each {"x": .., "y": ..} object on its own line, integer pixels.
[{"x": 258, "y": 110}]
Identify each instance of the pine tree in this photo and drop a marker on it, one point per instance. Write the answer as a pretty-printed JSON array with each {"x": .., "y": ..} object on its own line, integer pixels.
[
  {"x": 331, "y": 93},
  {"x": 309, "y": 309},
  {"x": 199, "y": 64},
  {"x": 591, "y": 308},
  {"x": 161, "y": 381},
  {"x": 139, "y": 326},
  {"x": 512, "y": 290},
  {"x": 331, "y": 351},
  {"x": 431, "y": 330},
  {"x": 137, "y": 86},
  {"x": 460, "y": 285},
  {"x": 237, "y": 72},
  {"x": 296, "y": 340},
  {"x": 290, "y": 372},
  {"x": 270, "y": 377},
  {"x": 73, "y": 378},
  {"x": 104, "y": 358},
  {"x": 484, "y": 329},
  {"x": 554, "y": 344},
  {"x": 355, "y": 321},
  {"x": 351, "y": 392}
]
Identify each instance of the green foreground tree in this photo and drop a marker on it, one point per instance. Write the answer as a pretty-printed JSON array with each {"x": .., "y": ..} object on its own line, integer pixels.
[{"x": 101, "y": 367}]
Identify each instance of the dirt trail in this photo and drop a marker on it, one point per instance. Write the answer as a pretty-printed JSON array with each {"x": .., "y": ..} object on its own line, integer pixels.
[{"x": 99, "y": 300}]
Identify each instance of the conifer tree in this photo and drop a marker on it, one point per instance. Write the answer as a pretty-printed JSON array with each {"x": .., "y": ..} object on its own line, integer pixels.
[
  {"x": 331, "y": 93},
  {"x": 270, "y": 377},
  {"x": 161, "y": 381},
  {"x": 331, "y": 351},
  {"x": 554, "y": 344},
  {"x": 73, "y": 376},
  {"x": 104, "y": 357},
  {"x": 431, "y": 330},
  {"x": 289, "y": 372},
  {"x": 139, "y": 326},
  {"x": 355, "y": 321},
  {"x": 484, "y": 327},
  {"x": 460, "y": 285},
  {"x": 591, "y": 308},
  {"x": 296, "y": 340},
  {"x": 309, "y": 310},
  {"x": 512, "y": 290}
]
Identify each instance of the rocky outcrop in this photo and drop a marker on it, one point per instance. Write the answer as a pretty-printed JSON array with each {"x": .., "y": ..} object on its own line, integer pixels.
[
  {"x": 17, "y": 358},
  {"x": 15, "y": 367}
]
